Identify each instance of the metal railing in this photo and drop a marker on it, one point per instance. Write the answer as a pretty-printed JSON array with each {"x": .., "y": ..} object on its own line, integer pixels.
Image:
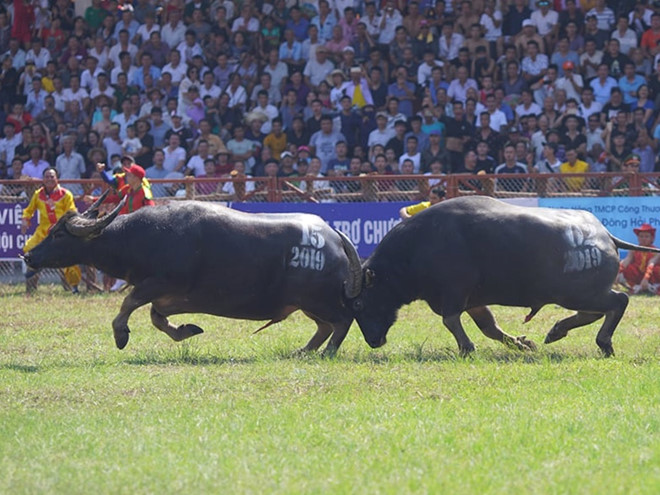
[{"x": 365, "y": 188}]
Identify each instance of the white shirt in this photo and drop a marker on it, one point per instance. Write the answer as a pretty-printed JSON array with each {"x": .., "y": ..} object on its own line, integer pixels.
[
  {"x": 178, "y": 72},
  {"x": 544, "y": 23},
  {"x": 173, "y": 158},
  {"x": 424, "y": 71},
  {"x": 123, "y": 122},
  {"x": 130, "y": 73},
  {"x": 114, "y": 52},
  {"x": 534, "y": 109},
  {"x": 173, "y": 35},
  {"x": 566, "y": 85},
  {"x": 497, "y": 120},
  {"x": 416, "y": 159},
  {"x": 269, "y": 111},
  {"x": 101, "y": 56},
  {"x": 449, "y": 49},
  {"x": 585, "y": 112},
  {"x": 392, "y": 22},
  {"x": 318, "y": 72},
  {"x": 40, "y": 60},
  {"x": 380, "y": 137},
  {"x": 68, "y": 95},
  {"x": 214, "y": 91},
  {"x": 196, "y": 165},
  {"x": 7, "y": 148},
  {"x": 90, "y": 81}
]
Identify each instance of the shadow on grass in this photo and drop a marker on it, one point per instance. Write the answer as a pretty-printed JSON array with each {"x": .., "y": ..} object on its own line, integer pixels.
[
  {"x": 23, "y": 368},
  {"x": 187, "y": 357}
]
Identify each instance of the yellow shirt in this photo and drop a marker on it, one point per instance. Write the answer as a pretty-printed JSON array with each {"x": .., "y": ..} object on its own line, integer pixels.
[
  {"x": 414, "y": 209},
  {"x": 276, "y": 144},
  {"x": 358, "y": 97},
  {"x": 580, "y": 167}
]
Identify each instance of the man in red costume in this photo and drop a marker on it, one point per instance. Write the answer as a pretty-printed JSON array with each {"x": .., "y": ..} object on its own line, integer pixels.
[
  {"x": 131, "y": 183},
  {"x": 639, "y": 271}
]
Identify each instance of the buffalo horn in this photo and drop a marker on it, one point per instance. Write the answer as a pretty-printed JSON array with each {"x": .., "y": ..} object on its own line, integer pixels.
[
  {"x": 80, "y": 226},
  {"x": 93, "y": 211},
  {"x": 353, "y": 285}
]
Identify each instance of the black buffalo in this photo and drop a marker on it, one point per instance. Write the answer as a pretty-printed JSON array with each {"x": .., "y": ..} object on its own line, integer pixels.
[
  {"x": 466, "y": 253},
  {"x": 193, "y": 257}
]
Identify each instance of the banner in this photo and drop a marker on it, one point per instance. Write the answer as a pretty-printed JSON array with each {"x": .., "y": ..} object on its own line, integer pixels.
[
  {"x": 11, "y": 239},
  {"x": 364, "y": 223},
  {"x": 619, "y": 215}
]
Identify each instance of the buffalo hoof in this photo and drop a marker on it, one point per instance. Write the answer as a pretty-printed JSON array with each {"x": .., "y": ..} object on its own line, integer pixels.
[
  {"x": 606, "y": 349},
  {"x": 524, "y": 344},
  {"x": 466, "y": 350},
  {"x": 184, "y": 332},
  {"x": 121, "y": 337},
  {"x": 554, "y": 336}
]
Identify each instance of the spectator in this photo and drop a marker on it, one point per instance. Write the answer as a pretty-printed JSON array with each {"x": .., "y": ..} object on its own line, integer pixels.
[{"x": 511, "y": 166}]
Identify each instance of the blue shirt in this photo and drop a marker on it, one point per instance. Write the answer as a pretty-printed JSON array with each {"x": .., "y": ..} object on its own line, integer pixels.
[
  {"x": 602, "y": 91},
  {"x": 294, "y": 51},
  {"x": 138, "y": 76},
  {"x": 300, "y": 29},
  {"x": 325, "y": 28},
  {"x": 627, "y": 86}
]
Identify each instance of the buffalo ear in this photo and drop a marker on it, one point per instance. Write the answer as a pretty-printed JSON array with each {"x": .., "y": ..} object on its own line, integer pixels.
[{"x": 369, "y": 278}]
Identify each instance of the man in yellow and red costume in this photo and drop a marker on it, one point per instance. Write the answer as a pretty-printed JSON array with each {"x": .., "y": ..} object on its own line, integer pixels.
[{"x": 51, "y": 201}]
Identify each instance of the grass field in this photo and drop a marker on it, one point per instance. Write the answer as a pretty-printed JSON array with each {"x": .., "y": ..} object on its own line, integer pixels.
[{"x": 232, "y": 412}]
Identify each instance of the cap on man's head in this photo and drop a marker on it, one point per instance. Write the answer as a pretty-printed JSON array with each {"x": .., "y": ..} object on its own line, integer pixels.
[
  {"x": 568, "y": 65},
  {"x": 134, "y": 169},
  {"x": 435, "y": 132},
  {"x": 356, "y": 70},
  {"x": 381, "y": 115},
  {"x": 632, "y": 159},
  {"x": 645, "y": 227},
  {"x": 543, "y": 2},
  {"x": 527, "y": 22},
  {"x": 285, "y": 154},
  {"x": 303, "y": 148}
]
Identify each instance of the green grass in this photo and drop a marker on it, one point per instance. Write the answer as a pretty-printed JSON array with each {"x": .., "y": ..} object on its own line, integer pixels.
[{"x": 232, "y": 412}]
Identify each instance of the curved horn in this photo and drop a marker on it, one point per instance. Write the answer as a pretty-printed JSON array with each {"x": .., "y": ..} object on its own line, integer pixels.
[
  {"x": 80, "y": 226},
  {"x": 93, "y": 211},
  {"x": 353, "y": 285}
]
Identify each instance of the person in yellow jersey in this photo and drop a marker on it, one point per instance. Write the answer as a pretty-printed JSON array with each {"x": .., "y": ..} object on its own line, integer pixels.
[
  {"x": 51, "y": 201},
  {"x": 437, "y": 194},
  {"x": 573, "y": 166},
  {"x": 357, "y": 88}
]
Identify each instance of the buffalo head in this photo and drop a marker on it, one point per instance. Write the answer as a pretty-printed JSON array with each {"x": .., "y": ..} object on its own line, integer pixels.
[
  {"x": 66, "y": 242},
  {"x": 375, "y": 308}
]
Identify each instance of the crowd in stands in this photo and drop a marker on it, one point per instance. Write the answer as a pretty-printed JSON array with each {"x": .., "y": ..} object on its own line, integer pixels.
[{"x": 328, "y": 88}]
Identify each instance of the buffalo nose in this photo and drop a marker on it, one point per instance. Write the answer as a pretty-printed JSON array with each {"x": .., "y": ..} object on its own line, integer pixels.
[{"x": 376, "y": 343}]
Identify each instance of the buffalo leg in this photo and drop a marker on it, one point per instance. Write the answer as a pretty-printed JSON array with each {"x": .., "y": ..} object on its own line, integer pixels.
[
  {"x": 141, "y": 294},
  {"x": 485, "y": 320},
  {"x": 453, "y": 323},
  {"x": 323, "y": 331},
  {"x": 177, "y": 334},
  {"x": 612, "y": 318},
  {"x": 562, "y": 327},
  {"x": 338, "y": 336}
]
